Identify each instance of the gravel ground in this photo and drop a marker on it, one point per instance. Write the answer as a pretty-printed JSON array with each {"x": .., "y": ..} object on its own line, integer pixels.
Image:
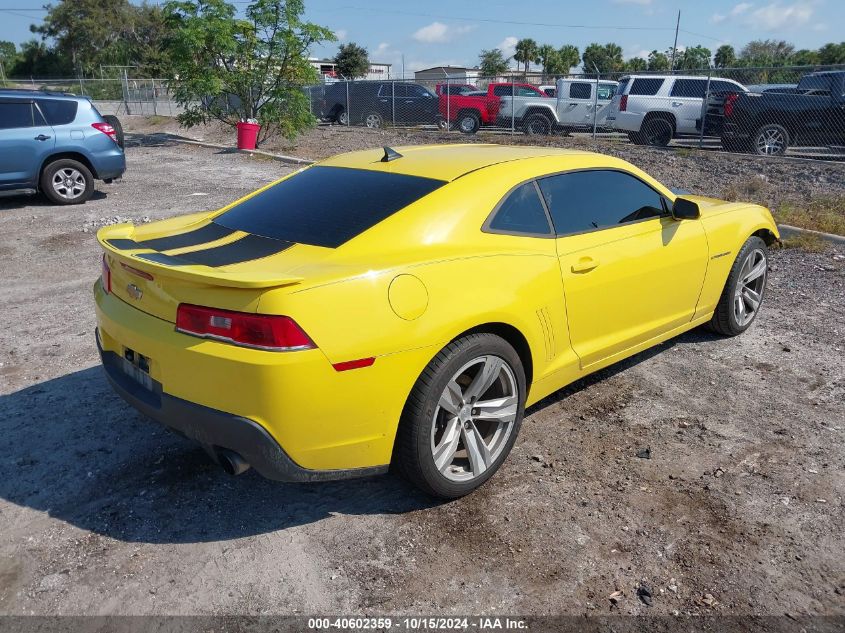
[{"x": 738, "y": 510}]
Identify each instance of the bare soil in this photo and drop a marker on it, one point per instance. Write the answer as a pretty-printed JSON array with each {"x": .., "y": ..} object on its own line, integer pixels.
[{"x": 738, "y": 508}]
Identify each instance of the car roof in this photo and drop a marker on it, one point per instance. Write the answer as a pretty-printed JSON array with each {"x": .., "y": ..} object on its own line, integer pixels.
[
  {"x": 446, "y": 161},
  {"x": 26, "y": 93}
]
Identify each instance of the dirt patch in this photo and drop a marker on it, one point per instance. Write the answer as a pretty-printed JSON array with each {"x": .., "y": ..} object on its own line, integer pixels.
[{"x": 708, "y": 470}]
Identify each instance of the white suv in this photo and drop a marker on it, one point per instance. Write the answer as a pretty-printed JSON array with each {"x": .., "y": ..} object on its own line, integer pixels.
[{"x": 653, "y": 109}]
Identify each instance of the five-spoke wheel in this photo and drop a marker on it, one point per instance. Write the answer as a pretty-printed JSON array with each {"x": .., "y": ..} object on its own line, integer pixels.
[{"x": 744, "y": 290}]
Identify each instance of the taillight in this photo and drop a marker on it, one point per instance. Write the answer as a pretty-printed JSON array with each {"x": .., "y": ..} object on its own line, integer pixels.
[
  {"x": 105, "y": 276},
  {"x": 106, "y": 129},
  {"x": 729, "y": 103},
  {"x": 260, "y": 331},
  {"x": 623, "y": 103}
]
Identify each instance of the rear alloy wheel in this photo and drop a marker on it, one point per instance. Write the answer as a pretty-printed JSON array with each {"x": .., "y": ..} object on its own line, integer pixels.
[
  {"x": 462, "y": 417},
  {"x": 744, "y": 290},
  {"x": 342, "y": 117},
  {"x": 374, "y": 120},
  {"x": 67, "y": 181},
  {"x": 657, "y": 132},
  {"x": 468, "y": 123},
  {"x": 537, "y": 124},
  {"x": 771, "y": 140}
]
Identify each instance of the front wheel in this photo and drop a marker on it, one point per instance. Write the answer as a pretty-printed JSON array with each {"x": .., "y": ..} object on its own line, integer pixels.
[
  {"x": 462, "y": 417},
  {"x": 743, "y": 293}
]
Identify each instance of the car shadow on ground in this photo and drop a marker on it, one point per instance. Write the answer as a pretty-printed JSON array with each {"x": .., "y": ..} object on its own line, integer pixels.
[
  {"x": 76, "y": 451},
  {"x": 39, "y": 200}
]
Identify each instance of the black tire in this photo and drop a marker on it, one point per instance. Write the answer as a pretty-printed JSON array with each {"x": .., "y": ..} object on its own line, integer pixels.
[
  {"x": 118, "y": 128},
  {"x": 413, "y": 453},
  {"x": 341, "y": 116},
  {"x": 537, "y": 124},
  {"x": 770, "y": 140},
  {"x": 657, "y": 132},
  {"x": 71, "y": 169},
  {"x": 725, "y": 320},
  {"x": 468, "y": 122},
  {"x": 636, "y": 138}
]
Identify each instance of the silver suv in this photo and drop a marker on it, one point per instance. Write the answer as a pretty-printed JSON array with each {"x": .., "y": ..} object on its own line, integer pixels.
[{"x": 653, "y": 109}]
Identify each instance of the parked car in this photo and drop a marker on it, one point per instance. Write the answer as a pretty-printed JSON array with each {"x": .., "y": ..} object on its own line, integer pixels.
[
  {"x": 468, "y": 112},
  {"x": 404, "y": 306},
  {"x": 573, "y": 108},
  {"x": 769, "y": 123},
  {"x": 654, "y": 109},
  {"x": 56, "y": 144},
  {"x": 372, "y": 103}
]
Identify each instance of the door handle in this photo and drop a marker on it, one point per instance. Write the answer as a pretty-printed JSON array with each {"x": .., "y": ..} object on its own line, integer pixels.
[
  {"x": 584, "y": 265},
  {"x": 42, "y": 137}
]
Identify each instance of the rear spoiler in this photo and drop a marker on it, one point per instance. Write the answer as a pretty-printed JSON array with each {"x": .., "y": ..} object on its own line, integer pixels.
[{"x": 195, "y": 273}]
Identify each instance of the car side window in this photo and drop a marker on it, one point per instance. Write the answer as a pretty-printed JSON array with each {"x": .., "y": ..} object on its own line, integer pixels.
[
  {"x": 503, "y": 91},
  {"x": 598, "y": 199},
  {"x": 606, "y": 92},
  {"x": 15, "y": 115},
  {"x": 522, "y": 212},
  {"x": 58, "y": 111},
  {"x": 689, "y": 88},
  {"x": 646, "y": 86},
  {"x": 723, "y": 86},
  {"x": 580, "y": 90}
]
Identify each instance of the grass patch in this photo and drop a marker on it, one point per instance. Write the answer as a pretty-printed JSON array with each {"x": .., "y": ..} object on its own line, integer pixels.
[
  {"x": 157, "y": 119},
  {"x": 807, "y": 242},
  {"x": 821, "y": 214},
  {"x": 752, "y": 190}
]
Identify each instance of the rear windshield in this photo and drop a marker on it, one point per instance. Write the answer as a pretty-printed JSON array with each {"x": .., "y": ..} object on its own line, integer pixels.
[
  {"x": 646, "y": 86},
  {"x": 58, "y": 111},
  {"x": 326, "y": 206}
]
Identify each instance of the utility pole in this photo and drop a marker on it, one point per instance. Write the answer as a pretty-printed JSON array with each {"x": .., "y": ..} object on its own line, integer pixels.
[
  {"x": 403, "y": 66},
  {"x": 675, "y": 45}
]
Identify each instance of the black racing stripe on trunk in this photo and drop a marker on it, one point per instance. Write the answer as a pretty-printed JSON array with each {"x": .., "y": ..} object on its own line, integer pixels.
[
  {"x": 125, "y": 244},
  {"x": 208, "y": 233},
  {"x": 242, "y": 250}
]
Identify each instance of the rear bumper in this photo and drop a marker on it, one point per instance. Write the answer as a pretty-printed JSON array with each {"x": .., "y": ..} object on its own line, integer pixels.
[
  {"x": 110, "y": 164},
  {"x": 217, "y": 429},
  {"x": 625, "y": 121}
]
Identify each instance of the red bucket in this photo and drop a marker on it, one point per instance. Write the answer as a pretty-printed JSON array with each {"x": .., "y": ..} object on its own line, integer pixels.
[{"x": 247, "y": 135}]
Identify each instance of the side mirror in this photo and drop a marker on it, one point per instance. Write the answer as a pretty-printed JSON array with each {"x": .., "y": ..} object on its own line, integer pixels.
[{"x": 684, "y": 209}]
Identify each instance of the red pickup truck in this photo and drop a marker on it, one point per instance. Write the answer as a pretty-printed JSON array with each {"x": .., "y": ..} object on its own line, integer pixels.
[{"x": 471, "y": 110}]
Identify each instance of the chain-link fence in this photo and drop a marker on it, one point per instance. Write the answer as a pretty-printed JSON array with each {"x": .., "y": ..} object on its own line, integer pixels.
[
  {"x": 770, "y": 111},
  {"x": 113, "y": 96}
]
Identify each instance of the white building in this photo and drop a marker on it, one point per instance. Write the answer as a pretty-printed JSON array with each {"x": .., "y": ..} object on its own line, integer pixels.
[{"x": 328, "y": 70}]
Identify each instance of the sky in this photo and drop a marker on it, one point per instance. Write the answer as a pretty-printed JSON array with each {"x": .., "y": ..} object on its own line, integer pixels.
[{"x": 453, "y": 32}]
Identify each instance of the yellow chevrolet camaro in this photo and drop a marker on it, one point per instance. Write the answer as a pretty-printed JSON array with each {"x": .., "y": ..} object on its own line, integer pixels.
[{"x": 404, "y": 306}]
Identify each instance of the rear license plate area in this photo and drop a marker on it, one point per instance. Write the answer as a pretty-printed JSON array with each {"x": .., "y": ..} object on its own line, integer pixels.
[{"x": 137, "y": 367}]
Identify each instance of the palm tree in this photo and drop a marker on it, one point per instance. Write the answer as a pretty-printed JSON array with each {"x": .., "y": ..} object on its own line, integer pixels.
[{"x": 525, "y": 52}]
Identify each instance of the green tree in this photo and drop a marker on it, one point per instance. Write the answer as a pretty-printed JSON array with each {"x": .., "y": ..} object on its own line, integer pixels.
[
  {"x": 607, "y": 58},
  {"x": 636, "y": 65},
  {"x": 832, "y": 53},
  {"x": 725, "y": 56},
  {"x": 232, "y": 69},
  {"x": 766, "y": 52},
  {"x": 805, "y": 57},
  {"x": 658, "y": 61},
  {"x": 526, "y": 51},
  {"x": 352, "y": 61},
  {"x": 547, "y": 54},
  {"x": 693, "y": 58},
  {"x": 568, "y": 57},
  {"x": 492, "y": 63},
  {"x": 36, "y": 59},
  {"x": 148, "y": 35}
]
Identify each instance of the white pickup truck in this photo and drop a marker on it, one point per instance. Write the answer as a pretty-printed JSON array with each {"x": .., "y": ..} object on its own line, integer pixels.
[{"x": 572, "y": 109}]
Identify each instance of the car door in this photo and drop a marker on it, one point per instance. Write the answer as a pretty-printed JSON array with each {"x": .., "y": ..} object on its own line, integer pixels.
[
  {"x": 418, "y": 105},
  {"x": 25, "y": 140},
  {"x": 575, "y": 103},
  {"x": 686, "y": 99},
  {"x": 630, "y": 271}
]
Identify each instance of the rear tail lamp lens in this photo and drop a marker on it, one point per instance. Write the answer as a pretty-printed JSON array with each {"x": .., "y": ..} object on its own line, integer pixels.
[
  {"x": 105, "y": 276},
  {"x": 259, "y": 331},
  {"x": 729, "y": 103},
  {"x": 623, "y": 103},
  {"x": 106, "y": 129}
]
